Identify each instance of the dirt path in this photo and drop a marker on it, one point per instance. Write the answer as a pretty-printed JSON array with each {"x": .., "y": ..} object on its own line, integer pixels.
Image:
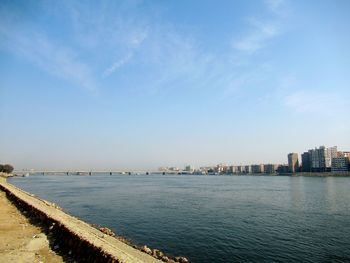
[{"x": 21, "y": 241}]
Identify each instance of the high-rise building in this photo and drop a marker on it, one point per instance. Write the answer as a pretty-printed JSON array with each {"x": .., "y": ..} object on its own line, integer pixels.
[
  {"x": 318, "y": 161},
  {"x": 305, "y": 162},
  {"x": 283, "y": 169},
  {"x": 240, "y": 169},
  {"x": 248, "y": 169},
  {"x": 257, "y": 168},
  {"x": 189, "y": 168},
  {"x": 321, "y": 158},
  {"x": 340, "y": 164},
  {"x": 293, "y": 162},
  {"x": 330, "y": 153},
  {"x": 270, "y": 168}
]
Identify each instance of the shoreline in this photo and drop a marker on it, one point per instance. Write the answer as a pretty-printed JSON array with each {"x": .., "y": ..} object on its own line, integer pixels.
[
  {"x": 22, "y": 239},
  {"x": 323, "y": 174},
  {"x": 77, "y": 238},
  {"x": 308, "y": 174}
]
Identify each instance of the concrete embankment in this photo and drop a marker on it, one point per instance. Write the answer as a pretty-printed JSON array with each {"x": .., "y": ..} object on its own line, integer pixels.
[
  {"x": 82, "y": 241},
  {"x": 323, "y": 174},
  {"x": 22, "y": 241}
]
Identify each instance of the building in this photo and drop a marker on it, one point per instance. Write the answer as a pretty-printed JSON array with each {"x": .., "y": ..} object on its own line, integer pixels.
[
  {"x": 283, "y": 169},
  {"x": 330, "y": 153},
  {"x": 240, "y": 169},
  {"x": 257, "y": 168},
  {"x": 189, "y": 168},
  {"x": 222, "y": 168},
  {"x": 270, "y": 168},
  {"x": 321, "y": 158},
  {"x": 248, "y": 169},
  {"x": 305, "y": 162},
  {"x": 340, "y": 164},
  {"x": 293, "y": 162},
  {"x": 318, "y": 161}
]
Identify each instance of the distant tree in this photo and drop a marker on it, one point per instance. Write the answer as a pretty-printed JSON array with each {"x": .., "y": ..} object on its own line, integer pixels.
[
  {"x": 1, "y": 168},
  {"x": 7, "y": 168}
]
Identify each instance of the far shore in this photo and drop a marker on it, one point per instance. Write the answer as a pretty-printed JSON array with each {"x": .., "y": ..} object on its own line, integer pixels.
[
  {"x": 308, "y": 174},
  {"x": 318, "y": 174}
]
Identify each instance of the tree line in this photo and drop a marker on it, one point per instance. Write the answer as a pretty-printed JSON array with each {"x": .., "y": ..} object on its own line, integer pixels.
[{"x": 6, "y": 168}]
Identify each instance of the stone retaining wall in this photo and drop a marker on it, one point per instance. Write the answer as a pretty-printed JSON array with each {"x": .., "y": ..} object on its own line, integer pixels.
[{"x": 73, "y": 236}]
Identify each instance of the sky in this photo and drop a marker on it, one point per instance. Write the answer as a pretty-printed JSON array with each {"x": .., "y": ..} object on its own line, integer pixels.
[{"x": 100, "y": 85}]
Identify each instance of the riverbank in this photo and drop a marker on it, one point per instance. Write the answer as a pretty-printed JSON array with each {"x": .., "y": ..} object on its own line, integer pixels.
[
  {"x": 5, "y": 175},
  {"x": 20, "y": 241},
  {"x": 324, "y": 174},
  {"x": 73, "y": 236}
]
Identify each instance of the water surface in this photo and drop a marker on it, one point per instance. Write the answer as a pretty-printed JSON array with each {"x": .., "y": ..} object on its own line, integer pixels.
[{"x": 213, "y": 218}]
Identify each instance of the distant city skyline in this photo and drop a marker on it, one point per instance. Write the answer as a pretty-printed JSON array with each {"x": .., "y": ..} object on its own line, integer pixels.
[{"x": 138, "y": 85}]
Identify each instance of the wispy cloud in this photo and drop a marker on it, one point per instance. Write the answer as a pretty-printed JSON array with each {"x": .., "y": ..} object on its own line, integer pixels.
[
  {"x": 278, "y": 7},
  {"x": 257, "y": 38},
  {"x": 261, "y": 30},
  {"x": 106, "y": 39},
  {"x": 134, "y": 42},
  {"x": 53, "y": 58},
  {"x": 117, "y": 65}
]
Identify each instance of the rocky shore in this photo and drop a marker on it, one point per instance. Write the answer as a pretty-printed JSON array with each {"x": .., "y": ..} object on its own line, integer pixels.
[{"x": 77, "y": 239}]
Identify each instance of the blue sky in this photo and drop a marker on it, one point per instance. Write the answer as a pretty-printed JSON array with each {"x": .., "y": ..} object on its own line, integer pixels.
[{"x": 142, "y": 84}]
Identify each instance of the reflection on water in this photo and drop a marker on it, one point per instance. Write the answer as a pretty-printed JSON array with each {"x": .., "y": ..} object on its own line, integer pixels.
[{"x": 214, "y": 218}]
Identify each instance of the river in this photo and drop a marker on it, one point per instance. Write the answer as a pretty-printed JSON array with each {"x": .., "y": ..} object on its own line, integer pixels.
[{"x": 213, "y": 218}]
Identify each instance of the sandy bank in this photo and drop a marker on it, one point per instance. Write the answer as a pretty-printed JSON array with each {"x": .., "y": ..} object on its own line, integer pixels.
[
  {"x": 20, "y": 241},
  {"x": 86, "y": 242}
]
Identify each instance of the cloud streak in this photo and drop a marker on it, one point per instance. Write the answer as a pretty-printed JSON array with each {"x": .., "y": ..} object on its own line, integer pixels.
[
  {"x": 257, "y": 39},
  {"x": 116, "y": 65},
  {"x": 278, "y": 7},
  {"x": 261, "y": 30},
  {"x": 106, "y": 40},
  {"x": 55, "y": 59}
]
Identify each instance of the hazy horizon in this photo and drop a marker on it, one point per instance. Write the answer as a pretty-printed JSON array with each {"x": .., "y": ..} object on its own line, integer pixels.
[{"x": 137, "y": 85}]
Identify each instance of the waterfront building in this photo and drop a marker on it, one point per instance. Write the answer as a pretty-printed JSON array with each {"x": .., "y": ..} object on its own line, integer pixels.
[
  {"x": 240, "y": 169},
  {"x": 270, "y": 168},
  {"x": 189, "y": 168},
  {"x": 174, "y": 169},
  {"x": 257, "y": 168},
  {"x": 330, "y": 153},
  {"x": 318, "y": 162},
  {"x": 340, "y": 164},
  {"x": 231, "y": 169},
  {"x": 248, "y": 169},
  {"x": 293, "y": 162},
  {"x": 283, "y": 169},
  {"x": 305, "y": 162},
  {"x": 321, "y": 158},
  {"x": 221, "y": 168}
]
